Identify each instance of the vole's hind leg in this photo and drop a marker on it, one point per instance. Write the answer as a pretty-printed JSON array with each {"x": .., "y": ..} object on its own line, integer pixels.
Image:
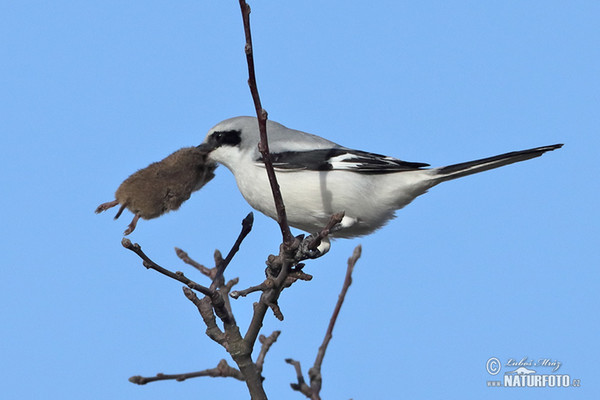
[{"x": 132, "y": 225}]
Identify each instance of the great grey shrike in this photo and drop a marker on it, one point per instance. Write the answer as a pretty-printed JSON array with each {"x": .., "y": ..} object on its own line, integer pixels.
[{"x": 319, "y": 178}]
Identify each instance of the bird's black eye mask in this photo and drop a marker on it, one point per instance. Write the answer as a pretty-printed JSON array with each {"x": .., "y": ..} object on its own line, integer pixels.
[{"x": 226, "y": 138}]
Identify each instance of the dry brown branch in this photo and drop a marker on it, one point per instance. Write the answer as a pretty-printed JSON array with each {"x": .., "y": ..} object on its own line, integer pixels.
[
  {"x": 267, "y": 284},
  {"x": 285, "y": 270},
  {"x": 266, "y": 343},
  {"x": 282, "y": 271},
  {"x": 261, "y": 114},
  {"x": 298, "y": 276},
  {"x": 205, "y": 309},
  {"x": 221, "y": 370},
  {"x": 217, "y": 305},
  {"x": 210, "y": 272},
  {"x": 269, "y": 297},
  {"x": 178, "y": 276},
  {"x": 223, "y": 263},
  {"x": 301, "y": 386},
  {"x": 338, "y": 306},
  {"x": 313, "y": 390}
]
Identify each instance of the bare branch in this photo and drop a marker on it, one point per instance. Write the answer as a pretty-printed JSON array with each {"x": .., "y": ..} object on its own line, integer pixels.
[
  {"x": 267, "y": 284},
  {"x": 276, "y": 310},
  {"x": 267, "y": 298},
  {"x": 231, "y": 283},
  {"x": 347, "y": 282},
  {"x": 266, "y": 343},
  {"x": 301, "y": 386},
  {"x": 205, "y": 309},
  {"x": 218, "y": 257},
  {"x": 210, "y": 272},
  {"x": 298, "y": 275},
  {"x": 246, "y": 228},
  {"x": 313, "y": 390},
  {"x": 261, "y": 114},
  {"x": 223, "y": 370},
  {"x": 178, "y": 276},
  {"x": 220, "y": 305}
]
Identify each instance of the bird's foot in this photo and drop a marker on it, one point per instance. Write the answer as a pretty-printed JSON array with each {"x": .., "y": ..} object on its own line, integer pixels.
[{"x": 307, "y": 248}]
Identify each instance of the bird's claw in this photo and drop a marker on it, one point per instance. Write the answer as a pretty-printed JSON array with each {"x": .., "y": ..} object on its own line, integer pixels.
[{"x": 307, "y": 250}]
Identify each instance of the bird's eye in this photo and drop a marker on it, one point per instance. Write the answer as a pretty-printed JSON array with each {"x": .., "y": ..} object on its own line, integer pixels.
[{"x": 228, "y": 138}]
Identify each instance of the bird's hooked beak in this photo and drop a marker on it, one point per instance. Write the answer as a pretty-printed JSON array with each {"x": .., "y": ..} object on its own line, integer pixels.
[{"x": 206, "y": 147}]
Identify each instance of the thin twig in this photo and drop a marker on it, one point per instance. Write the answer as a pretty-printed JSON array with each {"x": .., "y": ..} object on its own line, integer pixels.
[
  {"x": 338, "y": 306},
  {"x": 210, "y": 272},
  {"x": 267, "y": 284},
  {"x": 298, "y": 275},
  {"x": 205, "y": 309},
  {"x": 301, "y": 386},
  {"x": 246, "y": 228},
  {"x": 261, "y": 114},
  {"x": 220, "y": 305},
  {"x": 221, "y": 370},
  {"x": 178, "y": 276},
  {"x": 313, "y": 390},
  {"x": 266, "y": 343},
  {"x": 274, "y": 306}
]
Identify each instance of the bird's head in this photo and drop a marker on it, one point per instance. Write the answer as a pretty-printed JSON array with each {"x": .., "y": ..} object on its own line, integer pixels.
[{"x": 231, "y": 139}]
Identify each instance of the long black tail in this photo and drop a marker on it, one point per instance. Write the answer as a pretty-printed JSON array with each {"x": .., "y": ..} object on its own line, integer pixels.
[{"x": 473, "y": 167}]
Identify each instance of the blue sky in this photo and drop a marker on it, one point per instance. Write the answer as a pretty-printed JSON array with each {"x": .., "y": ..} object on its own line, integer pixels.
[{"x": 502, "y": 264}]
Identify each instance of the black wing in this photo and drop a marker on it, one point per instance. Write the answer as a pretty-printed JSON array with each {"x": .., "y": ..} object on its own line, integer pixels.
[{"x": 341, "y": 159}]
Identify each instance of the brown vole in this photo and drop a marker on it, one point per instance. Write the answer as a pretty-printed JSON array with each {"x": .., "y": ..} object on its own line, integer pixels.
[{"x": 162, "y": 186}]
